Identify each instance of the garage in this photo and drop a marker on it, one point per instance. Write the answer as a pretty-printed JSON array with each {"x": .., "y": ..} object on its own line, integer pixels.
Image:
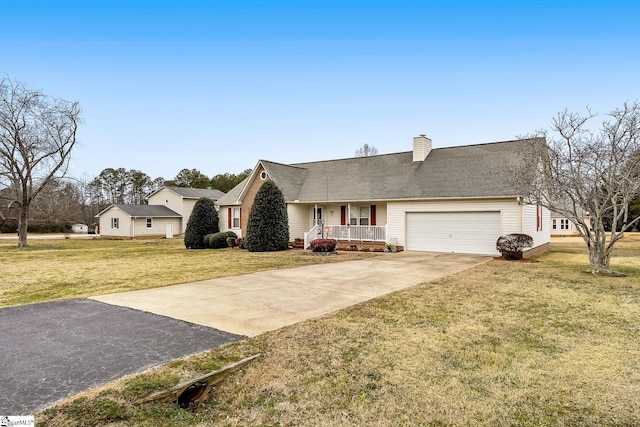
[{"x": 458, "y": 232}]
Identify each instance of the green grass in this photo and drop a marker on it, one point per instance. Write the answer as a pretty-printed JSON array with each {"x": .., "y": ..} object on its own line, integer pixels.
[
  {"x": 56, "y": 269},
  {"x": 502, "y": 344}
]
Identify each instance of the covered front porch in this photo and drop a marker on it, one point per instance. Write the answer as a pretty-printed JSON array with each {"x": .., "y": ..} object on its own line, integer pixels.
[
  {"x": 346, "y": 234},
  {"x": 354, "y": 222}
]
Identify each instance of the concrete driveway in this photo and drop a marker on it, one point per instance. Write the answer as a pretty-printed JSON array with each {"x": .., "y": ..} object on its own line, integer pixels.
[{"x": 255, "y": 303}]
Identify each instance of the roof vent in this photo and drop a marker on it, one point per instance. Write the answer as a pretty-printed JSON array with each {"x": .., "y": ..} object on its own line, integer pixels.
[{"x": 421, "y": 148}]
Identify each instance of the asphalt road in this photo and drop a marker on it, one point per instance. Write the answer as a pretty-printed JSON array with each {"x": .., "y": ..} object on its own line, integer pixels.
[{"x": 53, "y": 350}]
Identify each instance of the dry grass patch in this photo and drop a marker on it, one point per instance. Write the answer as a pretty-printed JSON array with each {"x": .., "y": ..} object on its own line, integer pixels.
[
  {"x": 55, "y": 269},
  {"x": 502, "y": 344}
]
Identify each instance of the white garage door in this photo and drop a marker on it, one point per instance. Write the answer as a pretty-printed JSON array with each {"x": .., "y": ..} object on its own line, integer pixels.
[{"x": 460, "y": 232}]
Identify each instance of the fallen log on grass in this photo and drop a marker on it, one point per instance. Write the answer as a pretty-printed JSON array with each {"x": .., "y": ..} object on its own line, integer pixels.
[{"x": 195, "y": 390}]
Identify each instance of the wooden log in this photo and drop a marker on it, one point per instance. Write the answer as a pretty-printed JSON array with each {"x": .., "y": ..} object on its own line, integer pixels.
[{"x": 195, "y": 390}]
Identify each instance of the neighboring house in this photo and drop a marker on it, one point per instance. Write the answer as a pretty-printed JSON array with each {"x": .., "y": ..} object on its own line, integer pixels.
[
  {"x": 131, "y": 221},
  {"x": 561, "y": 226},
  {"x": 166, "y": 214},
  {"x": 182, "y": 200},
  {"x": 444, "y": 200}
]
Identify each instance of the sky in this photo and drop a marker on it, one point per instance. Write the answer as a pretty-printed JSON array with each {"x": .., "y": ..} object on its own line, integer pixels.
[{"x": 218, "y": 85}]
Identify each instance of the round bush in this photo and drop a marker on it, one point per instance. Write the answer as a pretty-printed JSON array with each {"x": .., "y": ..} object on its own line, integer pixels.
[{"x": 511, "y": 245}]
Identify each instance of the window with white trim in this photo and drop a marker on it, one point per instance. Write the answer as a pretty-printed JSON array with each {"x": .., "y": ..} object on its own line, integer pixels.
[
  {"x": 235, "y": 217},
  {"x": 553, "y": 224},
  {"x": 564, "y": 224},
  {"x": 149, "y": 222},
  {"x": 115, "y": 222},
  {"x": 360, "y": 215}
]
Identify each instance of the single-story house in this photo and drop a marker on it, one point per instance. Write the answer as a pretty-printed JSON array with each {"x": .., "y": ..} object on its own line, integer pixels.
[
  {"x": 561, "y": 226},
  {"x": 166, "y": 214},
  {"x": 131, "y": 221},
  {"x": 444, "y": 200}
]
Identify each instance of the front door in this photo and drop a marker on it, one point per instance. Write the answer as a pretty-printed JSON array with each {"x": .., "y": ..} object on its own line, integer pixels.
[{"x": 317, "y": 216}]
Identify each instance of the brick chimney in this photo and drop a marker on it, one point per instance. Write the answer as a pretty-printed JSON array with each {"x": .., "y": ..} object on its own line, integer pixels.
[{"x": 421, "y": 148}]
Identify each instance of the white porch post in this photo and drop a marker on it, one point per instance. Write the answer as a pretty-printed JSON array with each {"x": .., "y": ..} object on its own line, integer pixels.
[{"x": 348, "y": 221}]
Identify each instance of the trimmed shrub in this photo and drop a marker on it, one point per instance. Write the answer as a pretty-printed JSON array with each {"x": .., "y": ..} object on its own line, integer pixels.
[
  {"x": 511, "y": 245},
  {"x": 218, "y": 240},
  {"x": 231, "y": 242},
  {"x": 323, "y": 245},
  {"x": 268, "y": 226},
  {"x": 202, "y": 221}
]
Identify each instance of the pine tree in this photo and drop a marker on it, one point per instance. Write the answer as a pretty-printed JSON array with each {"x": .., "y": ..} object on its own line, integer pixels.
[
  {"x": 268, "y": 226},
  {"x": 203, "y": 221}
]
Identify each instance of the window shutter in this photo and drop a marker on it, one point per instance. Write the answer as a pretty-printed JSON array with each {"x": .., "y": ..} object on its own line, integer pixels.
[
  {"x": 539, "y": 218},
  {"x": 229, "y": 218},
  {"x": 343, "y": 215},
  {"x": 373, "y": 214}
]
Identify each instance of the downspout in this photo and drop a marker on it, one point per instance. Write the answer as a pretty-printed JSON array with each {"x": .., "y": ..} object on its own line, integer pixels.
[{"x": 519, "y": 199}]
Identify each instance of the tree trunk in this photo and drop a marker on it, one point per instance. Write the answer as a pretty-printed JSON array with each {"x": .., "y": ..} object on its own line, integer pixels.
[
  {"x": 599, "y": 257},
  {"x": 22, "y": 228}
]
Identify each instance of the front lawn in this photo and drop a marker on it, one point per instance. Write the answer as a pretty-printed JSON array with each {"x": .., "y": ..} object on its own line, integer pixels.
[
  {"x": 505, "y": 343},
  {"x": 54, "y": 269}
]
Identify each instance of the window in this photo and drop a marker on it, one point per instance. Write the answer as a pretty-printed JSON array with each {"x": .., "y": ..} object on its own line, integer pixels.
[
  {"x": 359, "y": 215},
  {"x": 553, "y": 224},
  {"x": 235, "y": 214},
  {"x": 149, "y": 222},
  {"x": 564, "y": 224},
  {"x": 115, "y": 222}
]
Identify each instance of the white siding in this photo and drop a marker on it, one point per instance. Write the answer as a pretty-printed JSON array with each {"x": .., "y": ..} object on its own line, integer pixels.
[
  {"x": 397, "y": 212},
  {"x": 185, "y": 211},
  {"x": 124, "y": 229},
  {"x": 170, "y": 199},
  {"x": 298, "y": 222},
  {"x": 530, "y": 224},
  {"x": 159, "y": 226}
]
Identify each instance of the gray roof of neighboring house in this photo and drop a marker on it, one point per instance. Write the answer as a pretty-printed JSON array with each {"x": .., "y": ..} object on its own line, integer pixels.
[
  {"x": 156, "y": 211},
  {"x": 196, "y": 193},
  {"x": 465, "y": 171}
]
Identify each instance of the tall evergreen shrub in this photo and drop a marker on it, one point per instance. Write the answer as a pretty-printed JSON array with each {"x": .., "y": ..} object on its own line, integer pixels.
[
  {"x": 268, "y": 226},
  {"x": 203, "y": 221}
]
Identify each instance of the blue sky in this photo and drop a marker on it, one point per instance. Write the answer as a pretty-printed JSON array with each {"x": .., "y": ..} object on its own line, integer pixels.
[{"x": 217, "y": 85}]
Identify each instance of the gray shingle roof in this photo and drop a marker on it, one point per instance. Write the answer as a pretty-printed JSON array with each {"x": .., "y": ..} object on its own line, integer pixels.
[
  {"x": 454, "y": 172},
  {"x": 155, "y": 211},
  {"x": 196, "y": 193}
]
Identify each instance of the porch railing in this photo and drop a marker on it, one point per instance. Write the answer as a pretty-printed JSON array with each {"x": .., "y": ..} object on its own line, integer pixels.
[
  {"x": 375, "y": 233},
  {"x": 312, "y": 235}
]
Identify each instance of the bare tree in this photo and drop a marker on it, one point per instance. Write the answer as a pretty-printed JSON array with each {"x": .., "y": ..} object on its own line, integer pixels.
[
  {"x": 37, "y": 134},
  {"x": 582, "y": 173},
  {"x": 366, "y": 150}
]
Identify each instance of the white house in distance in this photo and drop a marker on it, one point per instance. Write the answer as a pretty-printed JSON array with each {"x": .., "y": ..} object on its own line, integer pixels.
[
  {"x": 443, "y": 200},
  {"x": 166, "y": 215},
  {"x": 561, "y": 226}
]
